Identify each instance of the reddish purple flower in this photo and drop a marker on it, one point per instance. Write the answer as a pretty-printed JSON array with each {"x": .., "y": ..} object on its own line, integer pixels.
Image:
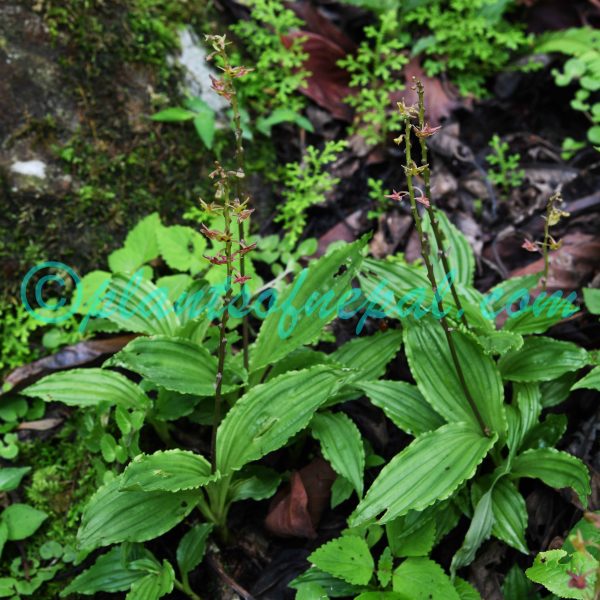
[
  {"x": 577, "y": 581},
  {"x": 530, "y": 246}
]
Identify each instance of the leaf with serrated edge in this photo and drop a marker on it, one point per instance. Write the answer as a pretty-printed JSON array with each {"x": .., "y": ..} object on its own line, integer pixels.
[
  {"x": 431, "y": 468},
  {"x": 341, "y": 445},
  {"x": 167, "y": 471}
]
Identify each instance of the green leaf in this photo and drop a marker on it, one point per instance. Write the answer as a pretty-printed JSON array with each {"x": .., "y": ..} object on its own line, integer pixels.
[
  {"x": 422, "y": 579},
  {"x": 369, "y": 355},
  {"x": 269, "y": 414},
  {"x": 282, "y": 115},
  {"x": 182, "y": 248},
  {"x": 346, "y": 557},
  {"x": 556, "y": 469},
  {"x": 89, "y": 387},
  {"x": 173, "y": 115},
  {"x": 591, "y": 381},
  {"x": 311, "y": 591},
  {"x": 542, "y": 359},
  {"x": 205, "y": 126},
  {"x": 192, "y": 546},
  {"x": 479, "y": 531},
  {"x": 154, "y": 585},
  {"x": 556, "y": 391},
  {"x": 112, "y": 516},
  {"x": 341, "y": 445},
  {"x": 10, "y": 478},
  {"x": 411, "y": 535},
  {"x": 460, "y": 254},
  {"x": 451, "y": 455},
  {"x": 552, "y": 569},
  {"x": 167, "y": 471},
  {"x": 591, "y": 297},
  {"x": 138, "y": 305},
  {"x": 465, "y": 590},
  {"x": 142, "y": 238},
  {"x": 22, "y": 520},
  {"x": 403, "y": 404},
  {"x": 433, "y": 369},
  {"x": 336, "y": 588},
  {"x": 381, "y": 596},
  {"x": 254, "y": 482},
  {"x": 108, "y": 574},
  {"x": 510, "y": 515},
  {"x": 176, "y": 364},
  {"x": 286, "y": 327},
  {"x": 384, "y": 567},
  {"x": 524, "y": 416},
  {"x": 516, "y": 586}
]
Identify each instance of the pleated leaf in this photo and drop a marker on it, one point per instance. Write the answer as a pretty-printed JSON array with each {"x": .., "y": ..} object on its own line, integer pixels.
[
  {"x": 89, "y": 387},
  {"x": 342, "y": 445},
  {"x": 555, "y": 468},
  {"x": 192, "y": 546},
  {"x": 265, "y": 418},
  {"x": 176, "y": 364},
  {"x": 431, "y": 468},
  {"x": 542, "y": 359},
  {"x": 136, "y": 304},
  {"x": 290, "y": 327},
  {"x": 154, "y": 585},
  {"x": 431, "y": 364},
  {"x": 168, "y": 471},
  {"x": 369, "y": 355},
  {"x": 112, "y": 516},
  {"x": 403, "y": 404},
  {"x": 510, "y": 514},
  {"x": 591, "y": 381},
  {"x": 423, "y": 579}
]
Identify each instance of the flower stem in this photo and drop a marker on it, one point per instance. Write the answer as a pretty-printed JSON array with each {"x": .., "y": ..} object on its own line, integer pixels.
[
  {"x": 439, "y": 238},
  {"x": 425, "y": 251},
  {"x": 186, "y": 589}
]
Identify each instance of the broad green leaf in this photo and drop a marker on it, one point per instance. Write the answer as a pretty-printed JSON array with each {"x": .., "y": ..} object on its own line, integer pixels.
[
  {"x": 500, "y": 294},
  {"x": 553, "y": 570},
  {"x": 319, "y": 290},
  {"x": 282, "y": 115},
  {"x": 556, "y": 391},
  {"x": 10, "y": 477},
  {"x": 459, "y": 252},
  {"x": 3, "y": 536},
  {"x": 22, "y": 520},
  {"x": 542, "y": 314},
  {"x": 175, "y": 286},
  {"x": 167, "y": 471},
  {"x": 173, "y": 363},
  {"x": 524, "y": 414},
  {"x": 108, "y": 574},
  {"x": 341, "y": 445},
  {"x": 414, "y": 538},
  {"x": 403, "y": 404},
  {"x": 431, "y": 364},
  {"x": 369, "y": 355},
  {"x": 591, "y": 381},
  {"x": 154, "y": 585},
  {"x": 254, "y": 482},
  {"x": 555, "y": 468},
  {"x": 269, "y": 414},
  {"x": 311, "y": 591},
  {"x": 381, "y": 596},
  {"x": 479, "y": 531},
  {"x": 542, "y": 359},
  {"x": 136, "y": 304},
  {"x": 346, "y": 557},
  {"x": 182, "y": 248},
  {"x": 89, "y": 387},
  {"x": 192, "y": 546},
  {"x": 205, "y": 126},
  {"x": 510, "y": 515},
  {"x": 173, "y": 115},
  {"x": 429, "y": 469},
  {"x": 591, "y": 297},
  {"x": 423, "y": 579},
  {"x": 112, "y": 516},
  {"x": 142, "y": 238}
]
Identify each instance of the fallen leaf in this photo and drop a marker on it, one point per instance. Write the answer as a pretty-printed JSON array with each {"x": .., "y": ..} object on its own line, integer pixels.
[
  {"x": 66, "y": 358},
  {"x": 345, "y": 230},
  {"x": 317, "y": 23},
  {"x": 296, "y": 511},
  {"x": 41, "y": 425},
  {"x": 328, "y": 84}
]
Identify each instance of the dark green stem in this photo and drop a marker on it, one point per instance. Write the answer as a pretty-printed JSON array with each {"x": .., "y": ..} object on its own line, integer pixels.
[
  {"x": 439, "y": 238},
  {"x": 425, "y": 251}
]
